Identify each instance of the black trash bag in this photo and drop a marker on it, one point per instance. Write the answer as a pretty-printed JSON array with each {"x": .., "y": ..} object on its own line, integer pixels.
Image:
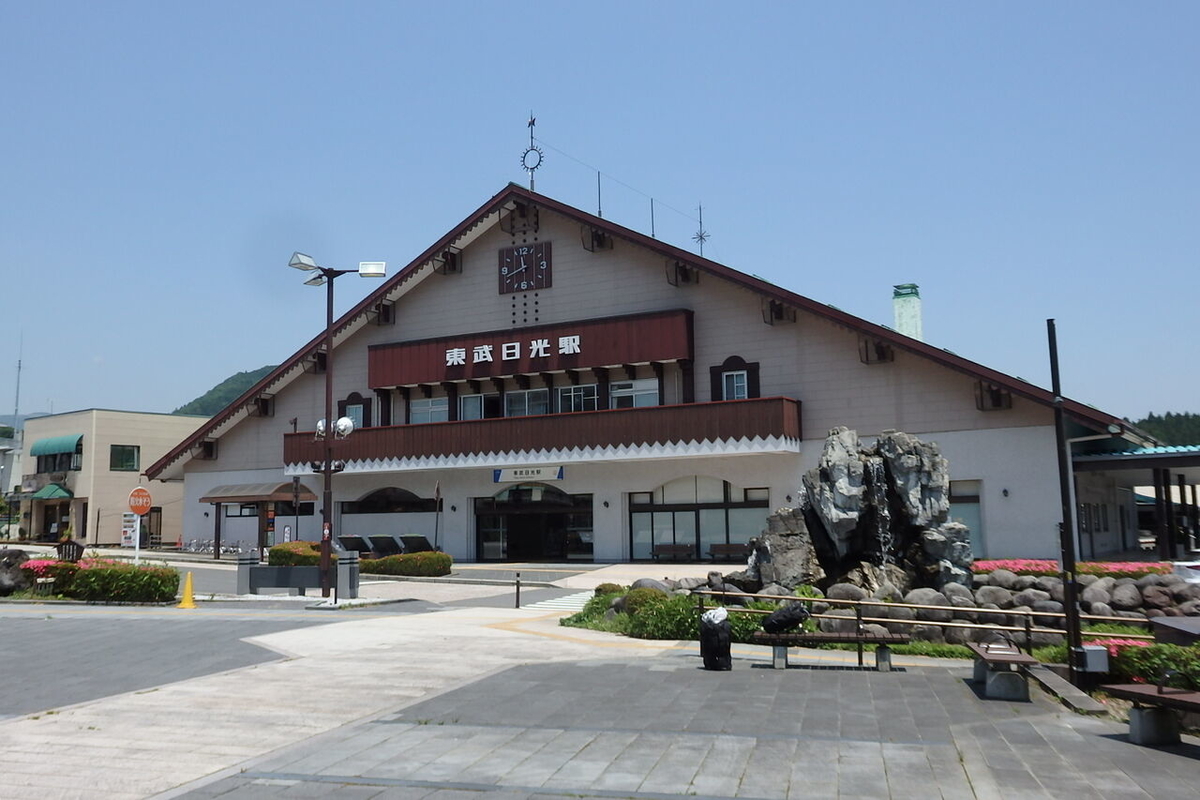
[
  {"x": 715, "y": 637},
  {"x": 787, "y": 618}
]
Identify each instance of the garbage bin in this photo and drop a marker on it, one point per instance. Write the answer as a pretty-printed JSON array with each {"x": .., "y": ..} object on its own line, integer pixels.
[{"x": 714, "y": 639}]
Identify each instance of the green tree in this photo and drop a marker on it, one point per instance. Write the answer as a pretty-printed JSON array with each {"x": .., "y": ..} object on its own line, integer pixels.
[
  {"x": 1172, "y": 428},
  {"x": 6, "y": 432}
]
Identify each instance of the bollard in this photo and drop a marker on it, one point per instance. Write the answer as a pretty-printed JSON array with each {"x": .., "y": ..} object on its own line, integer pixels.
[
  {"x": 245, "y": 563},
  {"x": 518, "y": 605},
  {"x": 346, "y": 583}
]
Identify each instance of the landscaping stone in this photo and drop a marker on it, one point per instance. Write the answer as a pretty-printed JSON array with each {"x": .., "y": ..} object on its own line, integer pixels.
[
  {"x": 888, "y": 592},
  {"x": 1126, "y": 582},
  {"x": 12, "y": 577},
  {"x": 929, "y": 597},
  {"x": 991, "y": 619},
  {"x": 1151, "y": 613},
  {"x": 651, "y": 583},
  {"x": 1051, "y": 606},
  {"x": 1129, "y": 614},
  {"x": 1002, "y": 598},
  {"x": 928, "y": 633},
  {"x": 961, "y": 606},
  {"x": 845, "y": 621},
  {"x": 984, "y": 579},
  {"x": 776, "y": 589},
  {"x": 1004, "y": 579},
  {"x": 1047, "y": 583},
  {"x": 1102, "y": 609},
  {"x": 691, "y": 583},
  {"x": 952, "y": 590},
  {"x": 1184, "y": 592},
  {"x": 845, "y": 591},
  {"x": 1126, "y": 597},
  {"x": 1190, "y": 609},
  {"x": 1024, "y": 582},
  {"x": 954, "y": 635},
  {"x": 1151, "y": 580},
  {"x": 1157, "y": 596},
  {"x": 1093, "y": 594},
  {"x": 1028, "y": 597},
  {"x": 1086, "y": 580}
]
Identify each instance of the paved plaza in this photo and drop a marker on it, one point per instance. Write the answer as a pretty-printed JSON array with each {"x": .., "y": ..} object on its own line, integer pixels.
[{"x": 454, "y": 694}]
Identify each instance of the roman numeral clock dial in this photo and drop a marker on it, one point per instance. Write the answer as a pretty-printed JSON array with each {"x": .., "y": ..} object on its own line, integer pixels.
[{"x": 525, "y": 268}]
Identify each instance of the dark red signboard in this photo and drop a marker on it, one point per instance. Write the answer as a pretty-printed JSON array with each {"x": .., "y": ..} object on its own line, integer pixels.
[{"x": 605, "y": 342}]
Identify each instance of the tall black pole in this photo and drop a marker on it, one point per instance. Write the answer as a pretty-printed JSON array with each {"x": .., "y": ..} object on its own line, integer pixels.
[
  {"x": 1066, "y": 528},
  {"x": 327, "y": 467}
]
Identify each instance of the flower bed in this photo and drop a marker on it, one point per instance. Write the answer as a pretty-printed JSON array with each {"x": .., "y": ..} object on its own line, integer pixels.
[
  {"x": 107, "y": 580},
  {"x": 427, "y": 564},
  {"x": 1040, "y": 566}
]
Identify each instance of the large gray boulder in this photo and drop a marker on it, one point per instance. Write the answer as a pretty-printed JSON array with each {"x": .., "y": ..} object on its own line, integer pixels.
[
  {"x": 929, "y": 597},
  {"x": 845, "y": 591},
  {"x": 651, "y": 583},
  {"x": 1028, "y": 597},
  {"x": 1004, "y": 579},
  {"x": 1126, "y": 597},
  {"x": 1156, "y": 595},
  {"x": 1001, "y": 598},
  {"x": 871, "y": 577},
  {"x": 1101, "y": 610},
  {"x": 953, "y": 590},
  {"x": 839, "y": 620},
  {"x": 785, "y": 553},
  {"x": 1093, "y": 594},
  {"x": 1024, "y": 582},
  {"x": 12, "y": 577}
]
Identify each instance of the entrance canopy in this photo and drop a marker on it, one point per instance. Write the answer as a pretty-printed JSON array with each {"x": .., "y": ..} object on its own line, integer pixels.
[
  {"x": 56, "y": 445},
  {"x": 1131, "y": 467},
  {"x": 257, "y": 493},
  {"x": 52, "y": 491}
]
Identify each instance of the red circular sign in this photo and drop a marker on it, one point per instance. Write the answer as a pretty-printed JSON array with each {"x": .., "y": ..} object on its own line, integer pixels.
[{"x": 139, "y": 501}]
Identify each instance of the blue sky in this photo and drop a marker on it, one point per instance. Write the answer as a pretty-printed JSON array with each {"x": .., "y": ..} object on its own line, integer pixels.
[{"x": 1018, "y": 160}]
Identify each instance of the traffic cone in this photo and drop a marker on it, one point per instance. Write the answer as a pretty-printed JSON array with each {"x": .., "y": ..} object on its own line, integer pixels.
[{"x": 188, "y": 601}]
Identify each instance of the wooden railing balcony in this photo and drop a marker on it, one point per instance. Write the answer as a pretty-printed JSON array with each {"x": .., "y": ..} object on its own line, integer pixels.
[{"x": 770, "y": 424}]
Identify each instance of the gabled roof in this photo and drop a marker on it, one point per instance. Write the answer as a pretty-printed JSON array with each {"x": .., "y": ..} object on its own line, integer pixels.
[{"x": 478, "y": 221}]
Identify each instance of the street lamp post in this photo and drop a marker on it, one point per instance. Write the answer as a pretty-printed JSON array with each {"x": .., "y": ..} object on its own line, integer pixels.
[{"x": 325, "y": 275}]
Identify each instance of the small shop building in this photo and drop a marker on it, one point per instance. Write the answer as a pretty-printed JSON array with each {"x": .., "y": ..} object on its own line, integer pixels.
[{"x": 543, "y": 384}]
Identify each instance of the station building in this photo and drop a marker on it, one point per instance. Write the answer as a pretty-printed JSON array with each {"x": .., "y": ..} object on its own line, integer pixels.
[{"x": 543, "y": 384}]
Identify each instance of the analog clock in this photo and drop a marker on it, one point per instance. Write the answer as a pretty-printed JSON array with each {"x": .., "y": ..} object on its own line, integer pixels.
[{"x": 525, "y": 267}]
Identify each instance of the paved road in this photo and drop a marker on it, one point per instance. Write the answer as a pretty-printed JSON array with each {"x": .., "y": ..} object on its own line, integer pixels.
[{"x": 648, "y": 730}]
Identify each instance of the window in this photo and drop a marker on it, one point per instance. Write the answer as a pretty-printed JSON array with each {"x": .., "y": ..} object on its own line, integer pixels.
[
  {"x": 696, "y": 510},
  {"x": 527, "y": 402},
  {"x": 965, "y": 508},
  {"x": 284, "y": 508},
  {"x": 577, "y": 398},
  {"x": 634, "y": 394},
  {"x": 990, "y": 397},
  {"x": 59, "y": 462},
  {"x": 124, "y": 458},
  {"x": 357, "y": 408},
  {"x": 428, "y": 409},
  {"x": 355, "y": 413},
  {"x": 479, "y": 406},
  {"x": 241, "y": 510},
  {"x": 734, "y": 379},
  {"x": 734, "y": 385}
]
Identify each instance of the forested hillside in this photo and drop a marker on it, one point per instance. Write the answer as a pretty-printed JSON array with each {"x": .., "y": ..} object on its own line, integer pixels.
[{"x": 223, "y": 393}]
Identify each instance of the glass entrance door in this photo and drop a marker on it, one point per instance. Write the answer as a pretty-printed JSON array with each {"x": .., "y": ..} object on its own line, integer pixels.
[{"x": 533, "y": 522}]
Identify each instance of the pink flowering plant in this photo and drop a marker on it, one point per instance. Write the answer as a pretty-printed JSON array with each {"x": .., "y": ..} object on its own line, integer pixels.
[
  {"x": 106, "y": 579},
  {"x": 1046, "y": 566}
]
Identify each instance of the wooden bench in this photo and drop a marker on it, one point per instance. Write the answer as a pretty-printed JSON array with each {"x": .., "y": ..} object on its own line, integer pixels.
[
  {"x": 69, "y": 550},
  {"x": 1152, "y": 720},
  {"x": 1000, "y": 668},
  {"x": 673, "y": 550},
  {"x": 728, "y": 551},
  {"x": 780, "y": 642}
]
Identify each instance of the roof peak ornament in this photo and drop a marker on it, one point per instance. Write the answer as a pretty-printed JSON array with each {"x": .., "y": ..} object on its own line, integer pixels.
[{"x": 532, "y": 157}]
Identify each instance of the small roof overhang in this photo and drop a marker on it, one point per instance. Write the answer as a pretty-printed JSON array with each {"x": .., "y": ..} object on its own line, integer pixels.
[
  {"x": 52, "y": 491},
  {"x": 257, "y": 493},
  {"x": 56, "y": 444}
]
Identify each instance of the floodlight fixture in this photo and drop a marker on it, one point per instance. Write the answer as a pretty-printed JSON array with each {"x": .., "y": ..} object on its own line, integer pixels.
[{"x": 303, "y": 262}]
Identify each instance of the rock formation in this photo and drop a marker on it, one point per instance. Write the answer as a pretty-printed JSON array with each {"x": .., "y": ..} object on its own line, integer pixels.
[
  {"x": 870, "y": 516},
  {"x": 12, "y": 578}
]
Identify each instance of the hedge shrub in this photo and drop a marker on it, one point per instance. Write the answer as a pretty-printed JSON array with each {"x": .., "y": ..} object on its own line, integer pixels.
[
  {"x": 1147, "y": 665},
  {"x": 118, "y": 582},
  {"x": 296, "y": 554},
  {"x": 426, "y": 564},
  {"x": 638, "y": 599},
  {"x": 609, "y": 588},
  {"x": 675, "y": 618}
]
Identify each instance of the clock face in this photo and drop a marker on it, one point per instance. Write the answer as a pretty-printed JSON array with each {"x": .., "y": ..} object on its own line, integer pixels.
[{"x": 525, "y": 268}]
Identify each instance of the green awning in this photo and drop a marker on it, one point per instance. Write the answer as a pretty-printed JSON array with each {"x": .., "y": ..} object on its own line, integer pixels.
[
  {"x": 53, "y": 491},
  {"x": 56, "y": 444}
]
